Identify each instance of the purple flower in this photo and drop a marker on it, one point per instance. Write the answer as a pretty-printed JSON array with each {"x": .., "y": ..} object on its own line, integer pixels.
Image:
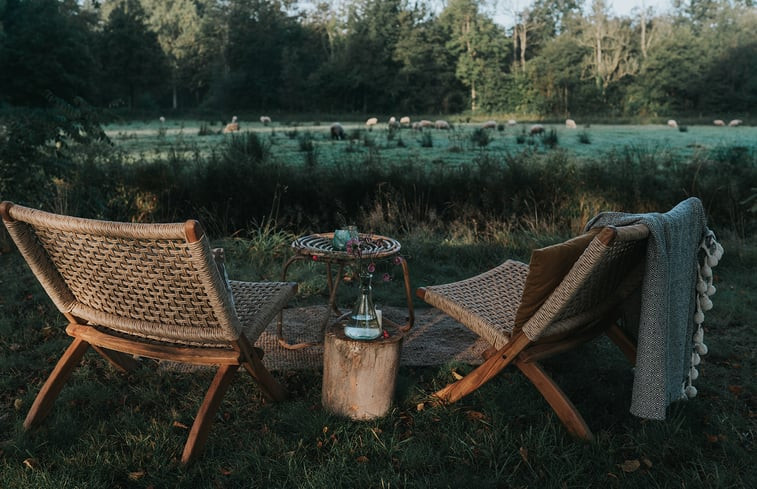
[
  {"x": 371, "y": 267},
  {"x": 386, "y": 277},
  {"x": 397, "y": 260}
]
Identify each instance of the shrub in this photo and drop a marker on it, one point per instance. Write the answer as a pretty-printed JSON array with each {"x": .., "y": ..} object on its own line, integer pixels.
[
  {"x": 480, "y": 137},
  {"x": 583, "y": 137},
  {"x": 549, "y": 139}
]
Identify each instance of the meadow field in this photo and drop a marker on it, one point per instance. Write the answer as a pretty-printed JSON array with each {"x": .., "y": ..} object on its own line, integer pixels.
[
  {"x": 150, "y": 139},
  {"x": 459, "y": 207}
]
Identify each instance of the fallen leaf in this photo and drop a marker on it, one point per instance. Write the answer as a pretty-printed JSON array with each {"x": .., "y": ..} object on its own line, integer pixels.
[
  {"x": 420, "y": 406},
  {"x": 456, "y": 375},
  {"x": 523, "y": 453},
  {"x": 135, "y": 476},
  {"x": 224, "y": 471},
  {"x": 630, "y": 466},
  {"x": 735, "y": 389},
  {"x": 475, "y": 415},
  {"x": 362, "y": 459},
  {"x": 31, "y": 463},
  {"x": 18, "y": 404},
  {"x": 647, "y": 463},
  {"x": 712, "y": 438},
  {"x": 179, "y": 424}
]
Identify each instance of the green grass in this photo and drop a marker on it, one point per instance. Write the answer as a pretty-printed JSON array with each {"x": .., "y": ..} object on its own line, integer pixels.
[
  {"x": 453, "y": 147},
  {"x": 122, "y": 431}
]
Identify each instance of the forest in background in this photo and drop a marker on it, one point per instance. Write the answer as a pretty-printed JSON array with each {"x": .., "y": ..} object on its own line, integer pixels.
[{"x": 560, "y": 58}]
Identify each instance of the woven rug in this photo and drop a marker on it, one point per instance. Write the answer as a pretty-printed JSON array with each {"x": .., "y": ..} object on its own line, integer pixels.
[{"x": 435, "y": 339}]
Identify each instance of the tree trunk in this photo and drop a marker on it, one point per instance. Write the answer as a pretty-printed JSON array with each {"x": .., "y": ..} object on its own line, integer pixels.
[{"x": 359, "y": 376}]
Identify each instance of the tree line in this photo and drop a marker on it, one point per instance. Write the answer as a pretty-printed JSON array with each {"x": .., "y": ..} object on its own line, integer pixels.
[{"x": 560, "y": 57}]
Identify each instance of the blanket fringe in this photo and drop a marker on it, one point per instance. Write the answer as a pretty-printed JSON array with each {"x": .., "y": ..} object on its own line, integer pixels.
[{"x": 713, "y": 252}]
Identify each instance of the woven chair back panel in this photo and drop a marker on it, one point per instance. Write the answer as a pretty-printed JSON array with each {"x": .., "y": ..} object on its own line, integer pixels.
[
  {"x": 590, "y": 289},
  {"x": 146, "y": 281}
]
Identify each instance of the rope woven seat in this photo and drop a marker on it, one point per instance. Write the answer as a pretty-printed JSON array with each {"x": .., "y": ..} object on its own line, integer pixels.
[
  {"x": 579, "y": 306},
  {"x": 150, "y": 290}
]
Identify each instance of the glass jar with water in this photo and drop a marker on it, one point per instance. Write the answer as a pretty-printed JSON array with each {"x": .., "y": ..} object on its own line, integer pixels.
[{"x": 364, "y": 323}]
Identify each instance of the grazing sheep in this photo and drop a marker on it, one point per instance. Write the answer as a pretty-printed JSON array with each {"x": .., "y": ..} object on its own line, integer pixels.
[
  {"x": 512, "y": 122},
  {"x": 425, "y": 123},
  {"x": 440, "y": 124},
  {"x": 337, "y": 131},
  {"x": 735, "y": 122},
  {"x": 393, "y": 124},
  {"x": 265, "y": 120},
  {"x": 371, "y": 122},
  {"x": 162, "y": 119},
  {"x": 719, "y": 122},
  {"x": 536, "y": 129},
  {"x": 405, "y": 121},
  {"x": 232, "y": 126},
  {"x": 570, "y": 123},
  {"x": 673, "y": 124},
  {"x": 489, "y": 125}
]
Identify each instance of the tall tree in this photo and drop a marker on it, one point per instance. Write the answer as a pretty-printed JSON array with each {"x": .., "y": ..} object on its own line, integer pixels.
[
  {"x": 45, "y": 47},
  {"x": 477, "y": 43},
  {"x": 177, "y": 24},
  {"x": 130, "y": 55}
]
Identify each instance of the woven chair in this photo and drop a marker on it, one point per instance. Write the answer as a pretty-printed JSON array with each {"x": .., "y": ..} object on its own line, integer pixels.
[
  {"x": 584, "y": 304},
  {"x": 146, "y": 290}
]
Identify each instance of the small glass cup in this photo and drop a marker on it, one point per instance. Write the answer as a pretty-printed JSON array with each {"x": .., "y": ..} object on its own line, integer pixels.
[{"x": 341, "y": 236}]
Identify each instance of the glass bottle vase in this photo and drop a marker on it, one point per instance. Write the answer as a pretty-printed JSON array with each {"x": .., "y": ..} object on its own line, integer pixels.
[{"x": 363, "y": 323}]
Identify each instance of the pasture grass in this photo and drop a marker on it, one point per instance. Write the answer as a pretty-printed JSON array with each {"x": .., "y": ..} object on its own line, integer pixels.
[
  {"x": 121, "y": 431},
  {"x": 186, "y": 137}
]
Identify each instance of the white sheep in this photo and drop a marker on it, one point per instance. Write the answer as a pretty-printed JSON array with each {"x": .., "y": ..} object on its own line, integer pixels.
[
  {"x": 489, "y": 125},
  {"x": 570, "y": 123},
  {"x": 265, "y": 120},
  {"x": 512, "y": 122},
  {"x": 440, "y": 124},
  {"x": 425, "y": 123},
  {"x": 405, "y": 121},
  {"x": 371, "y": 122},
  {"x": 719, "y": 122},
  {"x": 735, "y": 122},
  {"x": 673, "y": 124},
  {"x": 536, "y": 129},
  {"x": 232, "y": 126}
]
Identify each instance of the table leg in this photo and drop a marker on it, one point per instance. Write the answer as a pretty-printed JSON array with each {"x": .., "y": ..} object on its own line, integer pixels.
[
  {"x": 333, "y": 286},
  {"x": 408, "y": 297},
  {"x": 279, "y": 325}
]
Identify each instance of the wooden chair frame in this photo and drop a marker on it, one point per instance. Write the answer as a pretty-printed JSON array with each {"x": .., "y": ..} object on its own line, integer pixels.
[
  {"x": 119, "y": 348},
  {"x": 525, "y": 348}
]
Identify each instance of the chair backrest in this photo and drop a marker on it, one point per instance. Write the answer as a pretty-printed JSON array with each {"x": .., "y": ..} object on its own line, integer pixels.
[
  {"x": 157, "y": 281},
  {"x": 610, "y": 268}
]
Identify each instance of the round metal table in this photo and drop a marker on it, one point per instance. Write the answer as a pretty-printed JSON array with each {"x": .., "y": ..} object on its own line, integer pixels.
[{"x": 319, "y": 248}]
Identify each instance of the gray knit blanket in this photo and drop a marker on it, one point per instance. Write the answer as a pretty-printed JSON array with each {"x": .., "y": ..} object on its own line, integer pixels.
[{"x": 668, "y": 301}]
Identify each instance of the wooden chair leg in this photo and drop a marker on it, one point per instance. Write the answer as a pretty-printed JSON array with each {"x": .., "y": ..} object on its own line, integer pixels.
[
  {"x": 252, "y": 363},
  {"x": 561, "y": 405},
  {"x": 484, "y": 372},
  {"x": 198, "y": 435},
  {"x": 43, "y": 403},
  {"x": 267, "y": 383},
  {"x": 620, "y": 338},
  {"x": 119, "y": 361}
]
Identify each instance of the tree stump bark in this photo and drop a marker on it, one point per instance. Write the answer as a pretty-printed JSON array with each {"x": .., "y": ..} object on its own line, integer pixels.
[{"x": 359, "y": 376}]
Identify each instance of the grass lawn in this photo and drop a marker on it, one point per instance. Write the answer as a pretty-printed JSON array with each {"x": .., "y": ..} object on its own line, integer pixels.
[
  {"x": 150, "y": 139},
  {"x": 122, "y": 431}
]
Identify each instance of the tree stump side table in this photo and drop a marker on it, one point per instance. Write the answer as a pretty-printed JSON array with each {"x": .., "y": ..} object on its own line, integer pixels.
[{"x": 359, "y": 377}]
